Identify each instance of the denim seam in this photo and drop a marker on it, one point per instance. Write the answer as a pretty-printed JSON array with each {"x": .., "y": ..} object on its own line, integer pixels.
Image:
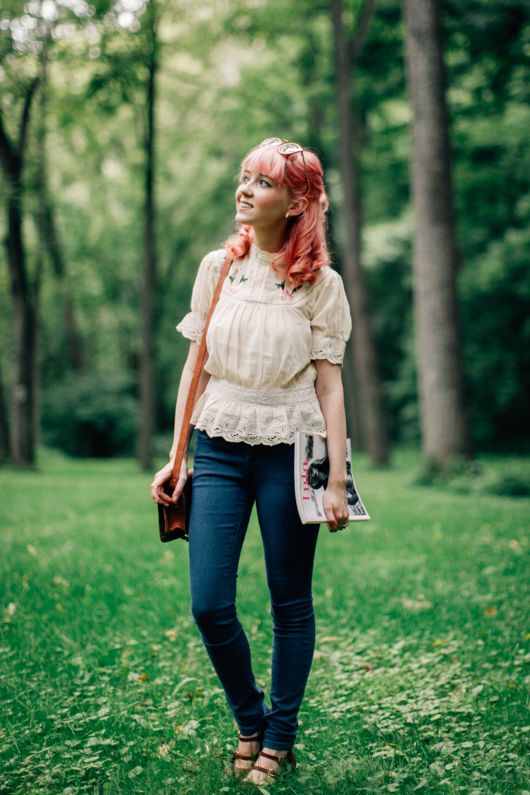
[{"x": 232, "y": 554}]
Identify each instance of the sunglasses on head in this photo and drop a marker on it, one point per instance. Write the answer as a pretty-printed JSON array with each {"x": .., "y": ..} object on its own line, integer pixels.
[{"x": 287, "y": 148}]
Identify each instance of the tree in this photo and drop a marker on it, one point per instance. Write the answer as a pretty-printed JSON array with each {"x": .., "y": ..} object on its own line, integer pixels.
[
  {"x": 444, "y": 425},
  {"x": 365, "y": 357},
  {"x": 147, "y": 358},
  {"x": 50, "y": 242},
  {"x": 4, "y": 425},
  {"x": 12, "y": 152}
]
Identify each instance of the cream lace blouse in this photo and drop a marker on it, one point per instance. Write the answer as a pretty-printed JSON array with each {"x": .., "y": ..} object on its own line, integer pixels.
[{"x": 260, "y": 343}]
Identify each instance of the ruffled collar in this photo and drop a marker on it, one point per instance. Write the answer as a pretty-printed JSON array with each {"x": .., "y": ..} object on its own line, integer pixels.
[{"x": 265, "y": 257}]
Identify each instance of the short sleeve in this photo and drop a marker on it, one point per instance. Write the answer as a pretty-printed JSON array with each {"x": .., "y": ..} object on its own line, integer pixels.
[
  {"x": 192, "y": 325},
  {"x": 330, "y": 317}
]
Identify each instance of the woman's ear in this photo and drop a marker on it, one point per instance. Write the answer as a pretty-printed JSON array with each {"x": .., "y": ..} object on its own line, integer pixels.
[{"x": 297, "y": 206}]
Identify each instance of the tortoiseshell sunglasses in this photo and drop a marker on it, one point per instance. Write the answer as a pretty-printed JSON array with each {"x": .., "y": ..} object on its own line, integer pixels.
[{"x": 287, "y": 148}]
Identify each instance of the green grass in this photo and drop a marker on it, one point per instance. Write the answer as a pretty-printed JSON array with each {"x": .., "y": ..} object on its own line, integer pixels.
[{"x": 420, "y": 677}]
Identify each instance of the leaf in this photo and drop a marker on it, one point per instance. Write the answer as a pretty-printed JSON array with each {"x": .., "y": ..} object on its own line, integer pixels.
[
  {"x": 416, "y": 604},
  {"x": 9, "y": 611}
]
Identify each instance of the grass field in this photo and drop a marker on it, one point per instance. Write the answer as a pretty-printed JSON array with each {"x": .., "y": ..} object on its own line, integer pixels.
[{"x": 420, "y": 677}]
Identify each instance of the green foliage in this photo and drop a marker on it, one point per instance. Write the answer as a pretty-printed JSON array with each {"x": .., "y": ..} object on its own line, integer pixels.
[
  {"x": 496, "y": 334},
  {"x": 231, "y": 74},
  {"x": 91, "y": 415},
  {"x": 504, "y": 477}
]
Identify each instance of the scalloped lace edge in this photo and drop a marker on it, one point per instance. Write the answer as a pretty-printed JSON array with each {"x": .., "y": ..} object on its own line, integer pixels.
[
  {"x": 283, "y": 436},
  {"x": 333, "y": 350},
  {"x": 191, "y": 327}
]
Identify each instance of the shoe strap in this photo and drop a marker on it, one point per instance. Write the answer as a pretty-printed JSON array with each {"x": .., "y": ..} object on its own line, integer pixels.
[
  {"x": 250, "y": 739},
  {"x": 264, "y": 770},
  {"x": 272, "y": 756}
]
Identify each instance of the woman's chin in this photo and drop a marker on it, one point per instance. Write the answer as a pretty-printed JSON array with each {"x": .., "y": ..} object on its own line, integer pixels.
[{"x": 242, "y": 218}]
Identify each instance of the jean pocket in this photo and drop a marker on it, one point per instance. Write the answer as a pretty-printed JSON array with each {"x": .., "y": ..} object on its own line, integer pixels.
[{"x": 211, "y": 442}]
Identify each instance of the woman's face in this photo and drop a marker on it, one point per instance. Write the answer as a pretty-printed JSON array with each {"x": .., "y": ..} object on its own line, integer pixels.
[{"x": 261, "y": 202}]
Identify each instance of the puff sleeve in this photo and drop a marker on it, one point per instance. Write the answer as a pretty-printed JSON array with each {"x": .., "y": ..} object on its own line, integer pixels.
[
  {"x": 330, "y": 319},
  {"x": 192, "y": 324}
]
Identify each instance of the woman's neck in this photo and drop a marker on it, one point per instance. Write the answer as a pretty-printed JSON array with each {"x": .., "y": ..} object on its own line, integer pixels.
[{"x": 270, "y": 240}]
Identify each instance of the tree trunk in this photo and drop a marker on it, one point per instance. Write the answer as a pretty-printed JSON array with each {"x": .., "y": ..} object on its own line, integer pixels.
[
  {"x": 147, "y": 357},
  {"x": 23, "y": 379},
  {"x": 74, "y": 344},
  {"x": 4, "y": 423},
  {"x": 444, "y": 425},
  {"x": 366, "y": 368},
  {"x": 49, "y": 237},
  {"x": 40, "y": 177}
]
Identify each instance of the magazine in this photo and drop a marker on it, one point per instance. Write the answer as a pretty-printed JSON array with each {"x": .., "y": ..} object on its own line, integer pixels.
[{"x": 311, "y": 470}]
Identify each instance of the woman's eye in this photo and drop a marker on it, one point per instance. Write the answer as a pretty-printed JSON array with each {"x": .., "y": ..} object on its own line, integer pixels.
[{"x": 246, "y": 178}]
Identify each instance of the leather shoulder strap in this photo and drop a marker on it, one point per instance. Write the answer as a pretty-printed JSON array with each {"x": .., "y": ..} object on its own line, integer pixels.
[{"x": 184, "y": 429}]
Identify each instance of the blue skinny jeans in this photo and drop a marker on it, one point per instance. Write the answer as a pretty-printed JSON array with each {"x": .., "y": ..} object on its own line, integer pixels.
[{"x": 228, "y": 477}]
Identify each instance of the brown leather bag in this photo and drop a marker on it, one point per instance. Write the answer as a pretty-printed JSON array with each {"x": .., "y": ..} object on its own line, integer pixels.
[{"x": 173, "y": 520}]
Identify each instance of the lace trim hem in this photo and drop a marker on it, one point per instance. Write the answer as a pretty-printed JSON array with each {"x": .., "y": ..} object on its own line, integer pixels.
[
  {"x": 239, "y": 421},
  {"x": 330, "y": 349},
  {"x": 191, "y": 326},
  {"x": 285, "y": 437}
]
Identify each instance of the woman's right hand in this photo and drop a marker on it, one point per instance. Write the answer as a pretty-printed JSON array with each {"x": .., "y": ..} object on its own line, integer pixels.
[{"x": 162, "y": 476}]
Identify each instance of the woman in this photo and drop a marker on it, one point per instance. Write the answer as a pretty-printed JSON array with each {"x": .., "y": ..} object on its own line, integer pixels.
[{"x": 275, "y": 348}]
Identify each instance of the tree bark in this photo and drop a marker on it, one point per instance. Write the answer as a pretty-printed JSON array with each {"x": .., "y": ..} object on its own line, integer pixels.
[
  {"x": 444, "y": 424},
  {"x": 373, "y": 421},
  {"x": 4, "y": 423},
  {"x": 52, "y": 243},
  {"x": 40, "y": 178},
  {"x": 49, "y": 237},
  {"x": 147, "y": 356},
  {"x": 23, "y": 378}
]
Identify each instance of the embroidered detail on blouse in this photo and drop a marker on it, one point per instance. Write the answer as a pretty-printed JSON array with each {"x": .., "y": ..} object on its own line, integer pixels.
[
  {"x": 234, "y": 279},
  {"x": 287, "y": 292}
]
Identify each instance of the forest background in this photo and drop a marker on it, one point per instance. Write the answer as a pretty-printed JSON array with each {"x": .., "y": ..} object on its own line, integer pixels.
[
  {"x": 131, "y": 121},
  {"x": 122, "y": 126}
]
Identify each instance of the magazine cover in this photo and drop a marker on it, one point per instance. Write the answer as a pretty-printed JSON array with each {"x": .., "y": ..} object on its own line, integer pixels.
[{"x": 311, "y": 470}]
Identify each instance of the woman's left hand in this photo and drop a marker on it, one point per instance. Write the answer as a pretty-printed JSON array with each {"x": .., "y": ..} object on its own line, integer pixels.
[{"x": 335, "y": 504}]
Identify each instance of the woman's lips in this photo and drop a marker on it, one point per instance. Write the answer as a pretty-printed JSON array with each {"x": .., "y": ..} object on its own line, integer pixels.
[{"x": 245, "y": 206}]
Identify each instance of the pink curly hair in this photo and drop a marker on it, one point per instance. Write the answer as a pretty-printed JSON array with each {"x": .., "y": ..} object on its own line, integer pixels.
[{"x": 305, "y": 250}]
